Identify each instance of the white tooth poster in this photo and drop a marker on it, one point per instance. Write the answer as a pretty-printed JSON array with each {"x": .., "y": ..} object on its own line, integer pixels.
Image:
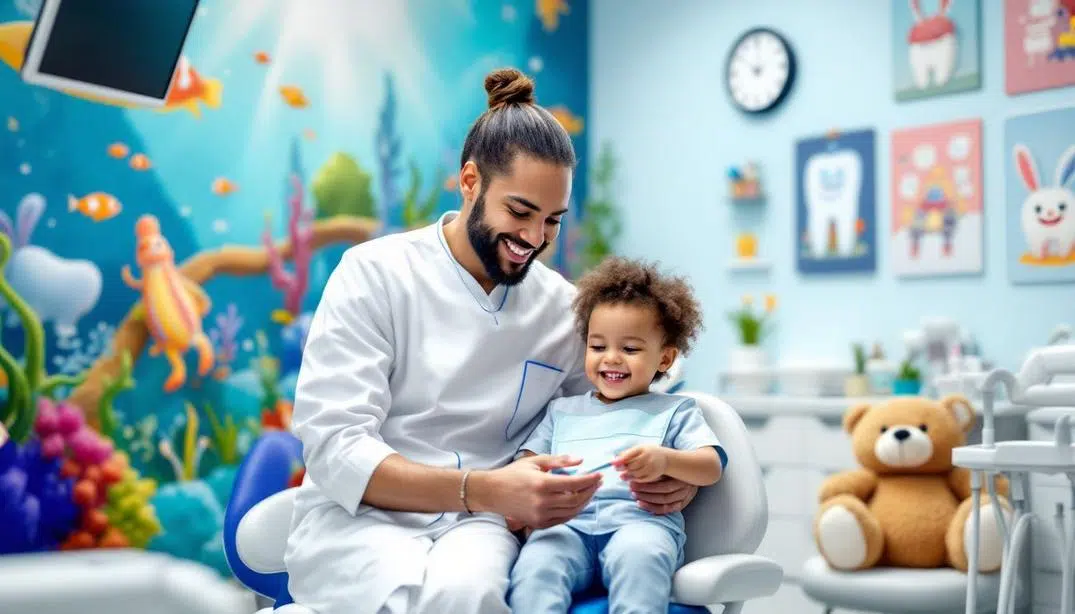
[
  {"x": 836, "y": 203},
  {"x": 935, "y": 47},
  {"x": 1039, "y": 173},
  {"x": 936, "y": 197}
]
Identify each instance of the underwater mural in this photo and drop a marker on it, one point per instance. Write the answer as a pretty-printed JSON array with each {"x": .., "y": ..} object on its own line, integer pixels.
[{"x": 159, "y": 267}]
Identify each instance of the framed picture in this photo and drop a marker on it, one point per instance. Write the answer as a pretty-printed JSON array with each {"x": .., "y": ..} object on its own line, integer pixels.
[
  {"x": 936, "y": 176},
  {"x": 936, "y": 47},
  {"x": 1039, "y": 44},
  {"x": 1039, "y": 172},
  {"x": 836, "y": 203}
]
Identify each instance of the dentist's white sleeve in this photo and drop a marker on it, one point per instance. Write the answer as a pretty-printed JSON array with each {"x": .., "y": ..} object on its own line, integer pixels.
[{"x": 342, "y": 394}]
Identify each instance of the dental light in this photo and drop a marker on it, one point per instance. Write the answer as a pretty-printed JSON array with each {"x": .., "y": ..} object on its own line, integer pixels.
[{"x": 1042, "y": 381}]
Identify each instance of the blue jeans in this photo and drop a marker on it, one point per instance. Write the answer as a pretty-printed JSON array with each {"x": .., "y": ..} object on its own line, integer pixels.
[{"x": 636, "y": 563}]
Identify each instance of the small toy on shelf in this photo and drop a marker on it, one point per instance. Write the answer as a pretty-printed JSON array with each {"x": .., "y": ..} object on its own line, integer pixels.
[
  {"x": 858, "y": 383},
  {"x": 908, "y": 380},
  {"x": 744, "y": 182},
  {"x": 880, "y": 371},
  {"x": 746, "y": 246}
]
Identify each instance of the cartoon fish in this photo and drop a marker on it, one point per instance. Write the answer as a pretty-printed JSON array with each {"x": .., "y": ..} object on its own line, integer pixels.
[
  {"x": 571, "y": 122},
  {"x": 140, "y": 162},
  {"x": 12, "y": 124},
  {"x": 174, "y": 306},
  {"x": 549, "y": 12},
  {"x": 98, "y": 206},
  {"x": 118, "y": 151},
  {"x": 294, "y": 96},
  {"x": 223, "y": 186},
  {"x": 262, "y": 57},
  {"x": 189, "y": 89}
]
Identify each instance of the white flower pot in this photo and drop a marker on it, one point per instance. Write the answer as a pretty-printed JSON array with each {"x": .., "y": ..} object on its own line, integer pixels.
[{"x": 747, "y": 358}]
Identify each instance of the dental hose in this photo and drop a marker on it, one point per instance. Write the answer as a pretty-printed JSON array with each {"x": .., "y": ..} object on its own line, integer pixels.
[
  {"x": 1006, "y": 601},
  {"x": 972, "y": 556},
  {"x": 1067, "y": 556}
]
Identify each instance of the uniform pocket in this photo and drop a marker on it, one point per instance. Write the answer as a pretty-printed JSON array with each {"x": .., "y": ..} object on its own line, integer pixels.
[{"x": 538, "y": 384}]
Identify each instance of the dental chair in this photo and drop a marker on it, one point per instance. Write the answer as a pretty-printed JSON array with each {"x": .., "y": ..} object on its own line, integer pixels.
[{"x": 725, "y": 524}]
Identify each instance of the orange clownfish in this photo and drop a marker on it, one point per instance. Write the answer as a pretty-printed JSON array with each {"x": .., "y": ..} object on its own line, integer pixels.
[
  {"x": 140, "y": 162},
  {"x": 294, "y": 96},
  {"x": 98, "y": 206},
  {"x": 223, "y": 186}
]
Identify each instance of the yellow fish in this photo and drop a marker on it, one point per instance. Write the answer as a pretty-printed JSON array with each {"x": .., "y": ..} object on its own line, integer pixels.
[
  {"x": 571, "y": 122},
  {"x": 549, "y": 11},
  {"x": 188, "y": 90},
  {"x": 294, "y": 96}
]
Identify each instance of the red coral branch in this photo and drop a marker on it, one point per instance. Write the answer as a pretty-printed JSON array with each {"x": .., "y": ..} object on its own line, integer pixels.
[{"x": 300, "y": 232}]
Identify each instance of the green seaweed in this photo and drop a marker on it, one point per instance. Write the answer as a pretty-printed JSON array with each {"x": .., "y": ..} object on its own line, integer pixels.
[
  {"x": 106, "y": 411},
  {"x": 225, "y": 436},
  {"x": 24, "y": 383},
  {"x": 418, "y": 211}
]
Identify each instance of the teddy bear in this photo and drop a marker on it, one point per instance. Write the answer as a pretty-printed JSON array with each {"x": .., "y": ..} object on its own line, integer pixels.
[{"x": 906, "y": 506}]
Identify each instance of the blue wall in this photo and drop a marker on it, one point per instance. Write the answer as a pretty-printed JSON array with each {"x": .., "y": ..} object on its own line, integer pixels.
[{"x": 657, "y": 93}]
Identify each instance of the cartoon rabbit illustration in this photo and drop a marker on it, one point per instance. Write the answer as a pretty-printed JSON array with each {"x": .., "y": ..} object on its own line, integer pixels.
[
  {"x": 1048, "y": 217},
  {"x": 57, "y": 289}
]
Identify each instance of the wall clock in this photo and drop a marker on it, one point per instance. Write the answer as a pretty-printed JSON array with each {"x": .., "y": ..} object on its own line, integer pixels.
[{"x": 760, "y": 70}]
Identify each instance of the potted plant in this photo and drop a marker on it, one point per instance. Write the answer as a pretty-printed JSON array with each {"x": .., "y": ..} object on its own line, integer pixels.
[
  {"x": 751, "y": 327},
  {"x": 908, "y": 379},
  {"x": 858, "y": 384}
]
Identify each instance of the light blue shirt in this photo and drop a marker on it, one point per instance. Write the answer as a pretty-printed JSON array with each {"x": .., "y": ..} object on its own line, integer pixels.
[{"x": 585, "y": 427}]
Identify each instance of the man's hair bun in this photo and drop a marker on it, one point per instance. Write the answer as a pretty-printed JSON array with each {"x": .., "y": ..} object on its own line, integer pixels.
[{"x": 508, "y": 86}]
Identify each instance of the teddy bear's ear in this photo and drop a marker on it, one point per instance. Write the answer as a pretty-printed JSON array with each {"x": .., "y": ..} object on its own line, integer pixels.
[
  {"x": 853, "y": 415},
  {"x": 960, "y": 409}
]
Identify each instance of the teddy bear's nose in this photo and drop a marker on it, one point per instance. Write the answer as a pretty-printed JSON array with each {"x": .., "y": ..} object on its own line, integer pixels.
[{"x": 901, "y": 434}]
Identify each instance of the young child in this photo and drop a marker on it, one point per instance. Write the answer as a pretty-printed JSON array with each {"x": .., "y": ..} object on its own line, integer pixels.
[{"x": 635, "y": 322}]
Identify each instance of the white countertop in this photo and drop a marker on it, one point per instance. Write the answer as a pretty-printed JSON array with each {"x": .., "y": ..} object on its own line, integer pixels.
[
  {"x": 1046, "y": 415},
  {"x": 827, "y": 407}
]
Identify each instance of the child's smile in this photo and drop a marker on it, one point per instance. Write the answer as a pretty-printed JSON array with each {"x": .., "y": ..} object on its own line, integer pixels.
[{"x": 625, "y": 349}]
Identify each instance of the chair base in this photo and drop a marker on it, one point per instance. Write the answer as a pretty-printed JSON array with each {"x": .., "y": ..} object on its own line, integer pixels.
[{"x": 896, "y": 590}]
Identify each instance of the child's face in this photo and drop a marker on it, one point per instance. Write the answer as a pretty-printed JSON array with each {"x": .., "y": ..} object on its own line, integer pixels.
[{"x": 625, "y": 349}]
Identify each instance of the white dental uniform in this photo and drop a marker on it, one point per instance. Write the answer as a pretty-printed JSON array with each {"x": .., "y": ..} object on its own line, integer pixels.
[{"x": 406, "y": 353}]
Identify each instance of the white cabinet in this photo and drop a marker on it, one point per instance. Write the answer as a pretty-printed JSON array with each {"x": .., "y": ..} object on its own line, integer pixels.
[{"x": 799, "y": 441}]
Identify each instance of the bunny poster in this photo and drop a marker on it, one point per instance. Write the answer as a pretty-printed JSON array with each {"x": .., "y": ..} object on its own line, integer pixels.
[
  {"x": 1040, "y": 197},
  {"x": 1039, "y": 45},
  {"x": 937, "y": 199},
  {"x": 936, "y": 47}
]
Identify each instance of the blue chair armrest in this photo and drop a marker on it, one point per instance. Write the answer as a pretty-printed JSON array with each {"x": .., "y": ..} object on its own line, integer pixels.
[{"x": 265, "y": 471}]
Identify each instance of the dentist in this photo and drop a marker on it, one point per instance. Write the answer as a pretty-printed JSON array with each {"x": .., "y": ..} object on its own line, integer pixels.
[{"x": 430, "y": 359}]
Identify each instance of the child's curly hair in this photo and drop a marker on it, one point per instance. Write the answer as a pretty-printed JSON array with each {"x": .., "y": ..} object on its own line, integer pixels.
[{"x": 622, "y": 281}]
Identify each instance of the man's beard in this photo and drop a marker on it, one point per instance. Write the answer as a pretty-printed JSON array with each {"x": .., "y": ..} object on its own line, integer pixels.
[{"x": 486, "y": 243}]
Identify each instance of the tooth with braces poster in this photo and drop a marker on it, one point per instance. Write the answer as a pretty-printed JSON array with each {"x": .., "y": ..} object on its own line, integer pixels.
[
  {"x": 936, "y": 47},
  {"x": 836, "y": 203}
]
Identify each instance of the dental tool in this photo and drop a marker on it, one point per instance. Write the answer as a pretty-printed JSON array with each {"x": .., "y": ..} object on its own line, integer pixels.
[{"x": 1043, "y": 381}]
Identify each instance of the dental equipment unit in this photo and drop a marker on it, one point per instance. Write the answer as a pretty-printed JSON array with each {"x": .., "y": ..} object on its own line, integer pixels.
[{"x": 1043, "y": 381}]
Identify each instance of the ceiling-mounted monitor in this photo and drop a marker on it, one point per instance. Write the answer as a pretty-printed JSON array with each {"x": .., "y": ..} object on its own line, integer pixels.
[{"x": 122, "y": 50}]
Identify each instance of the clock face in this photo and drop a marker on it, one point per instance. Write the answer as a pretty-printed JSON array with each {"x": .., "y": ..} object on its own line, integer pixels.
[{"x": 761, "y": 68}]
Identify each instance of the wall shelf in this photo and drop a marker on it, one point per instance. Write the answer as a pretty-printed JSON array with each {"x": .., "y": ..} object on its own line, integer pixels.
[{"x": 742, "y": 265}]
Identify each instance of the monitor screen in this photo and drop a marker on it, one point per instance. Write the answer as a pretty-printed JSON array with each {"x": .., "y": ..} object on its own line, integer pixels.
[{"x": 119, "y": 48}]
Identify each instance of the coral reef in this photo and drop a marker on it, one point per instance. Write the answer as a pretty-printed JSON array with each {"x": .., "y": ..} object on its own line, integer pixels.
[
  {"x": 185, "y": 463},
  {"x": 77, "y": 354},
  {"x": 113, "y": 386},
  {"x": 225, "y": 338},
  {"x": 132, "y": 335},
  {"x": 129, "y": 509},
  {"x": 28, "y": 381},
  {"x": 292, "y": 283},
  {"x": 36, "y": 508},
  {"x": 225, "y": 440},
  {"x": 419, "y": 211},
  {"x": 389, "y": 148}
]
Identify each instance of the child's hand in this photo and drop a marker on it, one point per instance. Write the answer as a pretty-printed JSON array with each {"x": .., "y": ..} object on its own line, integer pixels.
[
  {"x": 513, "y": 524},
  {"x": 642, "y": 463}
]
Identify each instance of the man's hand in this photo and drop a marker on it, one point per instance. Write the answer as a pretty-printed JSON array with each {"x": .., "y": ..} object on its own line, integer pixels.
[
  {"x": 527, "y": 494},
  {"x": 665, "y": 496},
  {"x": 642, "y": 463}
]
